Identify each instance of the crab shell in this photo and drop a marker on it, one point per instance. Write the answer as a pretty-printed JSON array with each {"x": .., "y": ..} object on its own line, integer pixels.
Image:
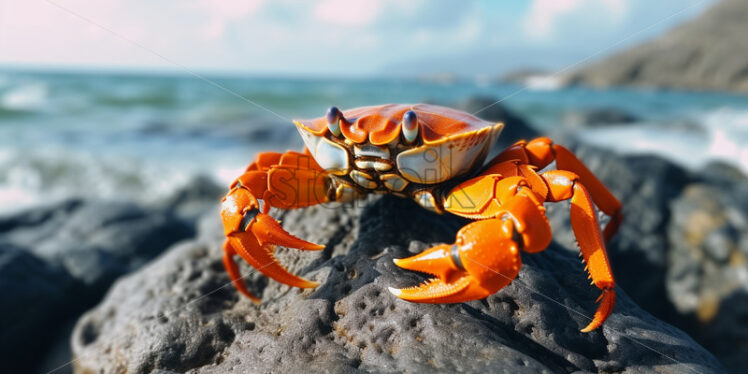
[{"x": 374, "y": 148}]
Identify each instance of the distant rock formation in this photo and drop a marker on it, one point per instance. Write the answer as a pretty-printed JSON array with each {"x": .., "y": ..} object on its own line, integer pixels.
[{"x": 708, "y": 53}]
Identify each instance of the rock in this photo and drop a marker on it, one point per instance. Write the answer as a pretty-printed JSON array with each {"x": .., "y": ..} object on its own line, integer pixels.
[
  {"x": 70, "y": 253},
  {"x": 707, "y": 276},
  {"x": 490, "y": 109},
  {"x": 596, "y": 117},
  {"x": 698, "y": 55},
  {"x": 34, "y": 295},
  {"x": 200, "y": 195},
  {"x": 180, "y": 313},
  {"x": 96, "y": 242},
  {"x": 56, "y": 358}
]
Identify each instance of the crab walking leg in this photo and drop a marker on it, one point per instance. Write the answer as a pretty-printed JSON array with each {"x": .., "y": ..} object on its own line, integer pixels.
[
  {"x": 542, "y": 151},
  {"x": 565, "y": 185},
  {"x": 288, "y": 180}
]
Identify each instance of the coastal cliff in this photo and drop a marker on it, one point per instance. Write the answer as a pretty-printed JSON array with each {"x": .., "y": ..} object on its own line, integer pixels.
[{"x": 707, "y": 53}]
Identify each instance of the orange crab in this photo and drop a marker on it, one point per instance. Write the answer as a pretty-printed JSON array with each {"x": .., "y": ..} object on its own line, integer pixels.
[{"x": 434, "y": 155}]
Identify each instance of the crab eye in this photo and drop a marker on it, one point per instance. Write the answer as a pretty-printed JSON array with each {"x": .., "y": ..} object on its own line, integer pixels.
[
  {"x": 333, "y": 117},
  {"x": 410, "y": 126}
]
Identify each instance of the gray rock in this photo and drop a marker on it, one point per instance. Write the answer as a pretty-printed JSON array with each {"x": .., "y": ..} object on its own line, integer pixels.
[
  {"x": 706, "y": 53},
  {"x": 96, "y": 242},
  {"x": 707, "y": 276},
  {"x": 60, "y": 260},
  {"x": 34, "y": 296},
  {"x": 194, "y": 199},
  {"x": 180, "y": 314}
]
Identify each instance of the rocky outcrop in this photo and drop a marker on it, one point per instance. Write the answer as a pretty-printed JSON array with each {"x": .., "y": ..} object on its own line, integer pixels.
[
  {"x": 56, "y": 261},
  {"x": 95, "y": 242},
  {"x": 34, "y": 297},
  {"x": 181, "y": 314},
  {"x": 707, "y": 53},
  {"x": 707, "y": 277}
]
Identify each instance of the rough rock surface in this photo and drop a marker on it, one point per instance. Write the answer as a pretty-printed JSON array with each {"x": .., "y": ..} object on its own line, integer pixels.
[
  {"x": 95, "y": 242},
  {"x": 180, "y": 314},
  {"x": 707, "y": 53},
  {"x": 56, "y": 261}
]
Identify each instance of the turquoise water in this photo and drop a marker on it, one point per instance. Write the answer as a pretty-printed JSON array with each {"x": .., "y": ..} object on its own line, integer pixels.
[{"x": 139, "y": 136}]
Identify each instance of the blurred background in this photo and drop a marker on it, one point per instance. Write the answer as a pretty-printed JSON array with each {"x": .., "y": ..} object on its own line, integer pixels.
[
  {"x": 114, "y": 99},
  {"x": 140, "y": 102}
]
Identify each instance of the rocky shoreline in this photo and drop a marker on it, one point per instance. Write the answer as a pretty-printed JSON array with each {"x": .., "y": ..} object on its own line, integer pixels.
[
  {"x": 679, "y": 260},
  {"x": 165, "y": 316},
  {"x": 705, "y": 54},
  {"x": 58, "y": 260}
]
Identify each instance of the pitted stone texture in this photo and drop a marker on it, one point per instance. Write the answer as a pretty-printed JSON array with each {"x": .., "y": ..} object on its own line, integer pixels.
[{"x": 181, "y": 314}]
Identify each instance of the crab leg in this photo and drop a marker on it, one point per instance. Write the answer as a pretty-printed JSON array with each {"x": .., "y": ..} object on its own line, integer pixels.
[
  {"x": 485, "y": 256},
  {"x": 566, "y": 185},
  {"x": 287, "y": 180},
  {"x": 542, "y": 151}
]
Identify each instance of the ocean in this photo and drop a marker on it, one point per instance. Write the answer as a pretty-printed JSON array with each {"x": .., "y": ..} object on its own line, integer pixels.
[{"x": 141, "y": 136}]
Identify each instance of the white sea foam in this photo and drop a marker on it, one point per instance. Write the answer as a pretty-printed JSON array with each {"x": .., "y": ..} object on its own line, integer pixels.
[
  {"x": 729, "y": 136},
  {"x": 723, "y": 136},
  {"x": 543, "y": 82},
  {"x": 30, "y": 96},
  {"x": 42, "y": 176}
]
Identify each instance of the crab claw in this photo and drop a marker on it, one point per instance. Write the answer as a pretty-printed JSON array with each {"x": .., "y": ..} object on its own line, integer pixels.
[
  {"x": 269, "y": 232},
  {"x": 254, "y": 235},
  {"x": 451, "y": 285},
  {"x": 261, "y": 258},
  {"x": 476, "y": 266}
]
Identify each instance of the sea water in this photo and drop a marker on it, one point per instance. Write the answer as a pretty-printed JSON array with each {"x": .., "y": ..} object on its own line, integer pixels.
[{"x": 141, "y": 136}]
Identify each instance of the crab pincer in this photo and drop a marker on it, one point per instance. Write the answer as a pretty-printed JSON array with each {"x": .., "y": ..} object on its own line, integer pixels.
[{"x": 253, "y": 236}]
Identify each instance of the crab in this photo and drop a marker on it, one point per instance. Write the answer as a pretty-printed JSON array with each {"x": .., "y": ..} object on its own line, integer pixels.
[{"x": 436, "y": 156}]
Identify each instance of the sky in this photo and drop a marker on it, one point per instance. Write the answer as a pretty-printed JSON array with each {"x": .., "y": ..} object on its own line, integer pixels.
[{"x": 328, "y": 37}]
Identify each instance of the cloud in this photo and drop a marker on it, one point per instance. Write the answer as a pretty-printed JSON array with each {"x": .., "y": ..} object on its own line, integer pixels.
[
  {"x": 348, "y": 12},
  {"x": 221, "y": 14},
  {"x": 328, "y": 37},
  {"x": 547, "y": 16}
]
